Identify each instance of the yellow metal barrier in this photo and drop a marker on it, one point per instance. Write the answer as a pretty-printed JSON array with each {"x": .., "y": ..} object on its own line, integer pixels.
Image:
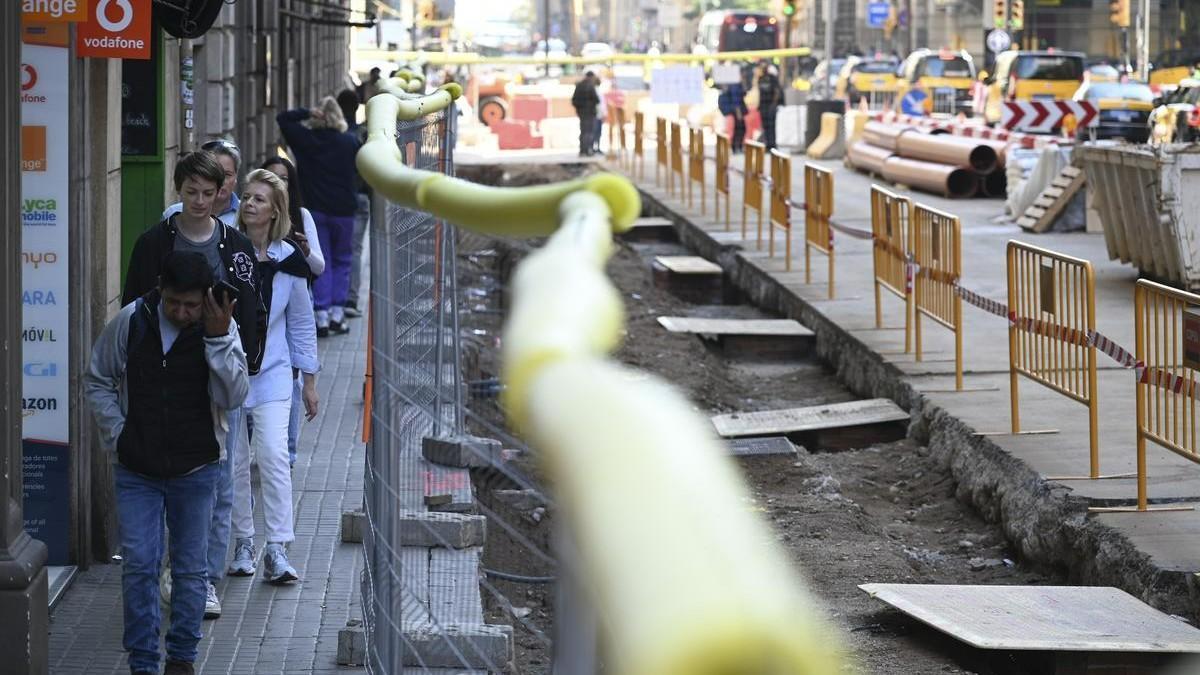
[
  {"x": 639, "y": 147},
  {"x": 721, "y": 184},
  {"x": 890, "y": 214},
  {"x": 781, "y": 204},
  {"x": 696, "y": 166},
  {"x": 752, "y": 175},
  {"x": 616, "y": 134},
  {"x": 1052, "y": 311},
  {"x": 937, "y": 251},
  {"x": 818, "y": 208},
  {"x": 677, "y": 168},
  {"x": 662, "y": 161},
  {"x": 1167, "y": 343},
  {"x": 715, "y": 597}
]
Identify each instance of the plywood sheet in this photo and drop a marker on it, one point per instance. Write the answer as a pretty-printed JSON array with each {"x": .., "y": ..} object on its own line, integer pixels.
[
  {"x": 1048, "y": 618},
  {"x": 687, "y": 264},
  {"x": 652, "y": 222},
  {"x": 771, "y": 327},
  {"x": 812, "y": 418},
  {"x": 750, "y": 447}
]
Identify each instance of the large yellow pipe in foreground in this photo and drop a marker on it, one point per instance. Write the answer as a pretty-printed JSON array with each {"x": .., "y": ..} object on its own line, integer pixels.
[
  {"x": 687, "y": 581},
  {"x": 469, "y": 58},
  {"x": 511, "y": 212}
]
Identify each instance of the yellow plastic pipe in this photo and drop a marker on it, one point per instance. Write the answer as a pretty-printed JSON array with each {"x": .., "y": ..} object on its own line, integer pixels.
[
  {"x": 513, "y": 212},
  {"x": 686, "y": 579},
  {"x": 468, "y": 58}
]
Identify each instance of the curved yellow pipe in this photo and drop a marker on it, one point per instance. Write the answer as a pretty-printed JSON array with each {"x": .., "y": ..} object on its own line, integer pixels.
[
  {"x": 514, "y": 212},
  {"x": 469, "y": 58}
]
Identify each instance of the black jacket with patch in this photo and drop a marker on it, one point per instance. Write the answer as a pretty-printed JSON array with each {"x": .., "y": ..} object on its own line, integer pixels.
[{"x": 237, "y": 255}]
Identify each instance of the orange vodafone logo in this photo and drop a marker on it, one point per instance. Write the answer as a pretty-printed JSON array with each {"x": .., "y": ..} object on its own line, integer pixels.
[{"x": 117, "y": 29}]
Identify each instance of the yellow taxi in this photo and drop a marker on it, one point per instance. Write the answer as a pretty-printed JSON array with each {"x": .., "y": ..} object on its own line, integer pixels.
[
  {"x": 871, "y": 78},
  {"x": 1030, "y": 76},
  {"x": 1173, "y": 66},
  {"x": 947, "y": 76},
  {"x": 1124, "y": 109}
]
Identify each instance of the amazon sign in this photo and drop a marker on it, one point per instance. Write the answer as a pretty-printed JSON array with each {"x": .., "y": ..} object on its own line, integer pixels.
[{"x": 115, "y": 29}]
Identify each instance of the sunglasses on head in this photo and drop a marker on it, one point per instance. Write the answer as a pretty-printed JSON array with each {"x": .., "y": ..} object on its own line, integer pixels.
[{"x": 219, "y": 143}]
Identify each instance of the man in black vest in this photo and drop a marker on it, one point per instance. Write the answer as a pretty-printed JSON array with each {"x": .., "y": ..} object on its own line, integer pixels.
[{"x": 162, "y": 376}]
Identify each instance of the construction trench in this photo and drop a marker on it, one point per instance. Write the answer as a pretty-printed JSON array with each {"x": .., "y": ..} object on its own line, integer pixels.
[{"x": 922, "y": 502}]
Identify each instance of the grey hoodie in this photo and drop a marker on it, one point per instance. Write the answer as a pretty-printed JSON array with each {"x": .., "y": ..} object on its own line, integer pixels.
[{"x": 107, "y": 392}]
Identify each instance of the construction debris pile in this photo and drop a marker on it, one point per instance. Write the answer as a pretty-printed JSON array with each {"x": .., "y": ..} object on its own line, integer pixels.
[{"x": 931, "y": 160}]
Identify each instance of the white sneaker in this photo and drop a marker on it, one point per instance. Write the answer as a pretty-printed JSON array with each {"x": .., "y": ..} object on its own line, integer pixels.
[
  {"x": 243, "y": 558},
  {"x": 164, "y": 585},
  {"x": 212, "y": 604}
]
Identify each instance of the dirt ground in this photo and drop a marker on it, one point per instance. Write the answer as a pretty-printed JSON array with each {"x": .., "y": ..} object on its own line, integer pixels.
[{"x": 879, "y": 512}]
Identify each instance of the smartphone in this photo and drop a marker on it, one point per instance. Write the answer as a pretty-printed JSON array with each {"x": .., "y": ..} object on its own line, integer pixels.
[{"x": 224, "y": 291}]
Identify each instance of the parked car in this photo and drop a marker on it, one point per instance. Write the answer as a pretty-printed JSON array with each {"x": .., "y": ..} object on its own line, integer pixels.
[
  {"x": 596, "y": 50},
  {"x": 1124, "y": 109},
  {"x": 947, "y": 76},
  {"x": 871, "y": 78},
  {"x": 1176, "y": 117}
]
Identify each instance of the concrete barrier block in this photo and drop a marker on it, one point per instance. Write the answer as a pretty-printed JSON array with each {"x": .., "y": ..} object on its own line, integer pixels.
[
  {"x": 354, "y": 526},
  {"x": 352, "y": 644},
  {"x": 481, "y": 646},
  {"x": 464, "y": 452},
  {"x": 434, "y": 529},
  {"x": 831, "y": 143}
]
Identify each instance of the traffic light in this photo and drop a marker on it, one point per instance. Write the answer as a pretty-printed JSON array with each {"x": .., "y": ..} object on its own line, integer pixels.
[
  {"x": 789, "y": 8},
  {"x": 1001, "y": 14},
  {"x": 1017, "y": 22},
  {"x": 1120, "y": 13}
]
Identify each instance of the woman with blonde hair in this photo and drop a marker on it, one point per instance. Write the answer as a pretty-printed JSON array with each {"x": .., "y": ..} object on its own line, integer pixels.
[
  {"x": 291, "y": 343},
  {"x": 324, "y": 152}
]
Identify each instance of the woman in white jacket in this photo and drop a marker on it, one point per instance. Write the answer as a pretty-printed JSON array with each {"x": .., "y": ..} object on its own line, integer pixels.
[
  {"x": 291, "y": 343},
  {"x": 304, "y": 233}
]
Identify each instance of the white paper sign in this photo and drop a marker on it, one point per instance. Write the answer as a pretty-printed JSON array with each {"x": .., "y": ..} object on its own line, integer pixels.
[
  {"x": 677, "y": 84},
  {"x": 726, "y": 73},
  {"x": 45, "y": 408}
]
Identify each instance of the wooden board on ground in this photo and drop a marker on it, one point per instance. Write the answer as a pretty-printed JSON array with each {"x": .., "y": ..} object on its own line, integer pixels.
[
  {"x": 651, "y": 229},
  {"x": 812, "y": 418},
  {"x": 771, "y": 327},
  {"x": 753, "y": 447},
  {"x": 687, "y": 264},
  {"x": 1044, "y": 618},
  {"x": 1052, "y": 200},
  {"x": 652, "y": 222}
]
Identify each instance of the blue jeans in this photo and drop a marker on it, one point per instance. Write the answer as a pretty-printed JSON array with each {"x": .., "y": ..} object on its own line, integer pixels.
[
  {"x": 218, "y": 532},
  {"x": 185, "y": 503},
  {"x": 294, "y": 420}
]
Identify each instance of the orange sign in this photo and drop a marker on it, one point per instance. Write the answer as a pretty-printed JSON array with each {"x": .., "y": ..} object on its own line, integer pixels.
[
  {"x": 53, "y": 11},
  {"x": 33, "y": 148},
  {"x": 115, "y": 29}
]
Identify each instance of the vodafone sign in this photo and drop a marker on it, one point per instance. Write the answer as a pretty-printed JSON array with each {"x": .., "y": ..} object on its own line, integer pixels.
[{"x": 115, "y": 29}]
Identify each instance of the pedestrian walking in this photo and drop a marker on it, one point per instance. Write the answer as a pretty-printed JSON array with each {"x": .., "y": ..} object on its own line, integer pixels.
[
  {"x": 199, "y": 177},
  {"x": 163, "y": 374},
  {"x": 291, "y": 343},
  {"x": 324, "y": 152},
  {"x": 362, "y": 214},
  {"x": 732, "y": 104},
  {"x": 305, "y": 237},
  {"x": 770, "y": 97},
  {"x": 225, "y": 205},
  {"x": 601, "y": 116},
  {"x": 585, "y": 100}
]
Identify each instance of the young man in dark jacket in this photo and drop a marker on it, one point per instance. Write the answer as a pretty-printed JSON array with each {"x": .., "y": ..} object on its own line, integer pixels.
[
  {"x": 732, "y": 103},
  {"x": 770, "y": 97},
  {"x": 162, "y": 376},
  {"x": 230, "y": 255},
  {"x": 586, "y": 100}
]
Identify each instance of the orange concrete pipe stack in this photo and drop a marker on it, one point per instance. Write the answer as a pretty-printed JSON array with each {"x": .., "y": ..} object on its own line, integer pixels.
[{"x": 952, "y": 166}]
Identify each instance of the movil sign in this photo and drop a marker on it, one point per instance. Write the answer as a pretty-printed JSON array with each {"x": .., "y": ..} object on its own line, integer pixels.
[{"x": 117, "y": 29}]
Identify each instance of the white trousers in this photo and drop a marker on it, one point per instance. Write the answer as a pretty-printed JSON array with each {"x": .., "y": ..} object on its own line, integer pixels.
[{"x": 269, "y": 446}]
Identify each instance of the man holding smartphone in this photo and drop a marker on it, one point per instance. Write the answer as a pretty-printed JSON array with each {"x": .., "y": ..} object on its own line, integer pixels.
[
  {"x": 163, "y": 375},
  {"x": 199, "y": 177}
]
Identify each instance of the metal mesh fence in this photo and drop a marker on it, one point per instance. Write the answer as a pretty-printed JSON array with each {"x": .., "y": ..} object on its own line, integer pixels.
[{"x": 434, "y": 598}]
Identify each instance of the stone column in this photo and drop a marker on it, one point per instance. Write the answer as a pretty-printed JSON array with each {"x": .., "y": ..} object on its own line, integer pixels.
[{"x": 24, "y": 616}]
